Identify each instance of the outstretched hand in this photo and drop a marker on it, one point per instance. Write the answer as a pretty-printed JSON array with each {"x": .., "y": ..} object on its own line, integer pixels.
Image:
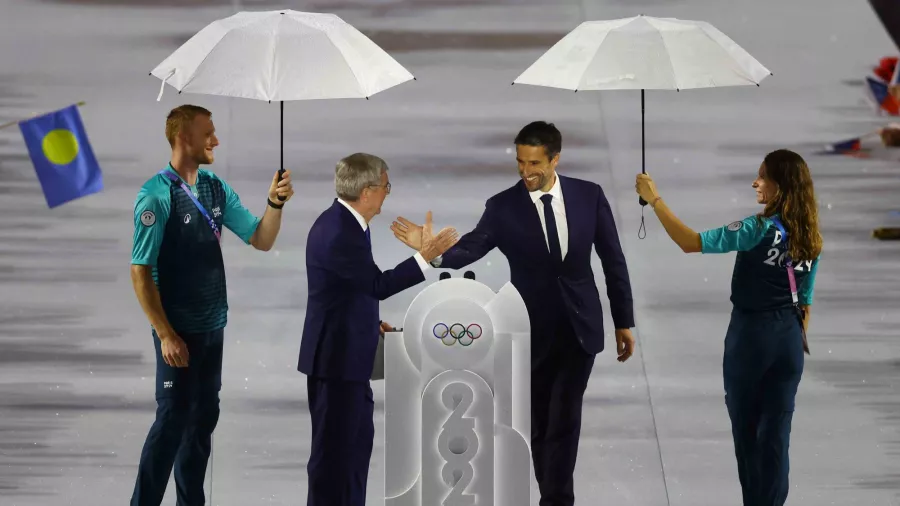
[{"x": 407, "y": 232}]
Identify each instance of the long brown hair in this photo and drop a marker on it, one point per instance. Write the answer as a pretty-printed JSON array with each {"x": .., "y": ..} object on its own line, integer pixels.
[{"x": 794, "y": 200}]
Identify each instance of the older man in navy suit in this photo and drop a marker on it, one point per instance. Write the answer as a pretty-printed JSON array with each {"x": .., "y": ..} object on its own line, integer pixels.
[
  {"x": 342, "y": 327},
  {"x": 546, "y": 225}
]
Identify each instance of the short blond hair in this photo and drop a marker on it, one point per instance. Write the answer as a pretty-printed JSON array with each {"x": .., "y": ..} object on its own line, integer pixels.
[{"x": 180, "y": 118}]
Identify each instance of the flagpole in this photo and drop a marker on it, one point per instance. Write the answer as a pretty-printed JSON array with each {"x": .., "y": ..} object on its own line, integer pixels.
[{"x": 16, "y": 122}]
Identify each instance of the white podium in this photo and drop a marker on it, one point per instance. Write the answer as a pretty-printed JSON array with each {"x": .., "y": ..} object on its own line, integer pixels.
[{"x": 458, "y": 399}]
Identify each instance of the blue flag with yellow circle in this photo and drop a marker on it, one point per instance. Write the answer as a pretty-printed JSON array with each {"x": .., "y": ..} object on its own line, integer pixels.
[{"x": 62, "y": 156}]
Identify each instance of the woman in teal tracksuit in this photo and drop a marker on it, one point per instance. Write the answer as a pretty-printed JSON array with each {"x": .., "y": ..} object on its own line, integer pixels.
[{"x": 771, "y": 291}]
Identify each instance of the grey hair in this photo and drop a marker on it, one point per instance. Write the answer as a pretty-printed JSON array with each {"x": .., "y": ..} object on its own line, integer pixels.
[{"x": 355, "y": 173}]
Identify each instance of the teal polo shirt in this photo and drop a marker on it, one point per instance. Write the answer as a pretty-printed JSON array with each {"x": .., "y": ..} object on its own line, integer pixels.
[
  {"x": 760, "y": 279},
  {"x": 172, "y": 236}
]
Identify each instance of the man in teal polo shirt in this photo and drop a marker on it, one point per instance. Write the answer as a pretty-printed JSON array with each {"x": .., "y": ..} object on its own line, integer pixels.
[{"x": 179, "y": 277}]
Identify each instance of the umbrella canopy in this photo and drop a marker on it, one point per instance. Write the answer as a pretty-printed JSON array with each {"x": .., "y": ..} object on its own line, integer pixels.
[
  {"x": 644, "y": 53},
  {"x": 281, "y": 55}
]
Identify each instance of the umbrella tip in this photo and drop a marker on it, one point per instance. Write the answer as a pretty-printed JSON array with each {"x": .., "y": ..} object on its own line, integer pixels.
[
  {"x": 414, "y": 78},
  {"x": 367, "y": 98}
]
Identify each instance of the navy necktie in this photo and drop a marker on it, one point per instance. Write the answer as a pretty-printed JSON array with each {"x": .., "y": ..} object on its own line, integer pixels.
[
  {"x": 552, "y": 233},
  {"x": 368, "y": 236}
]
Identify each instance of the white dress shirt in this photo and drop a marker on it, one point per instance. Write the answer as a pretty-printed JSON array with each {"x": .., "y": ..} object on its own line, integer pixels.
[
  {"x": 365, "y": 226},
  {"x": 559, "y": 212}
]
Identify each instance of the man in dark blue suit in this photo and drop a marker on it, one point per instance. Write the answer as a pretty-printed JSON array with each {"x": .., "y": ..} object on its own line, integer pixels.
[
  {"x": 342, "y": 327},
  {"x": 546, "y": 226}
]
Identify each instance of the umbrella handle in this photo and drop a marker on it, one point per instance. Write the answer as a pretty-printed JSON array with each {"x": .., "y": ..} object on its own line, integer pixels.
[{"x": 280, "y": 177}]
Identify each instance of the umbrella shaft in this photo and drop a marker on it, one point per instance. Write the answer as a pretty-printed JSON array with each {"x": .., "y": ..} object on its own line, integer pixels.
[
  {"x": 281, "y": 170},
  {"x": 282, "y": 135},
  {"x": 643, "y": 155},
  {"x": 641, "y": 200}
]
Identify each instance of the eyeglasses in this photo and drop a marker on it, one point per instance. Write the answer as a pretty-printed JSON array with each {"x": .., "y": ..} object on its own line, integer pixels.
[{"x": 387, "y": 187}]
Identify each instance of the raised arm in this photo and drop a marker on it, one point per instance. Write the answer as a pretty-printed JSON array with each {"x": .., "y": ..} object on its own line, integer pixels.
[
  {"x": 257, "y": 232},
  {"x": 681, "y": 234},
  {"x": 684, "y": 236},
  {"x": 741, "y": 235}
]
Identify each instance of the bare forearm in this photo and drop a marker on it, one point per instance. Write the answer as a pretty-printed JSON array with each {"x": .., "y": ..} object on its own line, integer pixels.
[
  {"x": 148, "y": 297},
  {"x": 267, "y": 230},
  {"x": 807, "y": 310},
  {"x": 683, "y": 235}
]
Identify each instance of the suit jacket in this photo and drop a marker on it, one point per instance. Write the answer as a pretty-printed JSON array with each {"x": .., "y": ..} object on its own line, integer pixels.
[
  {"x": 511, "y": 223},
  {"x": 341, "y": 330}
]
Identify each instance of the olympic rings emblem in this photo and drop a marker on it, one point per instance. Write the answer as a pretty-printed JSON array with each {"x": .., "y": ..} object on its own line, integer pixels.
[{"x": 457, "y": 332}]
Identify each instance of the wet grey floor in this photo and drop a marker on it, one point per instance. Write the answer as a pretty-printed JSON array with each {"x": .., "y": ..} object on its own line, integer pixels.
[{"x": 76, "y": 361}]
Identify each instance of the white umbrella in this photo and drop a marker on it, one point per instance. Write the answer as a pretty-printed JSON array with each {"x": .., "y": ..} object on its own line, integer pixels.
[
  {"x": 281, "y": 55},
  {"x": 644, "y": 53}
]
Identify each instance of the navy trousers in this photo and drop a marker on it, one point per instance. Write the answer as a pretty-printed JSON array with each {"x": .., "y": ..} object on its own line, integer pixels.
[
  {"x": 187, "y": 412},
  {"x": 762, "y": 366},
  {"x": 560, "y": 369},
  {"x": 343, "y": 431}
]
